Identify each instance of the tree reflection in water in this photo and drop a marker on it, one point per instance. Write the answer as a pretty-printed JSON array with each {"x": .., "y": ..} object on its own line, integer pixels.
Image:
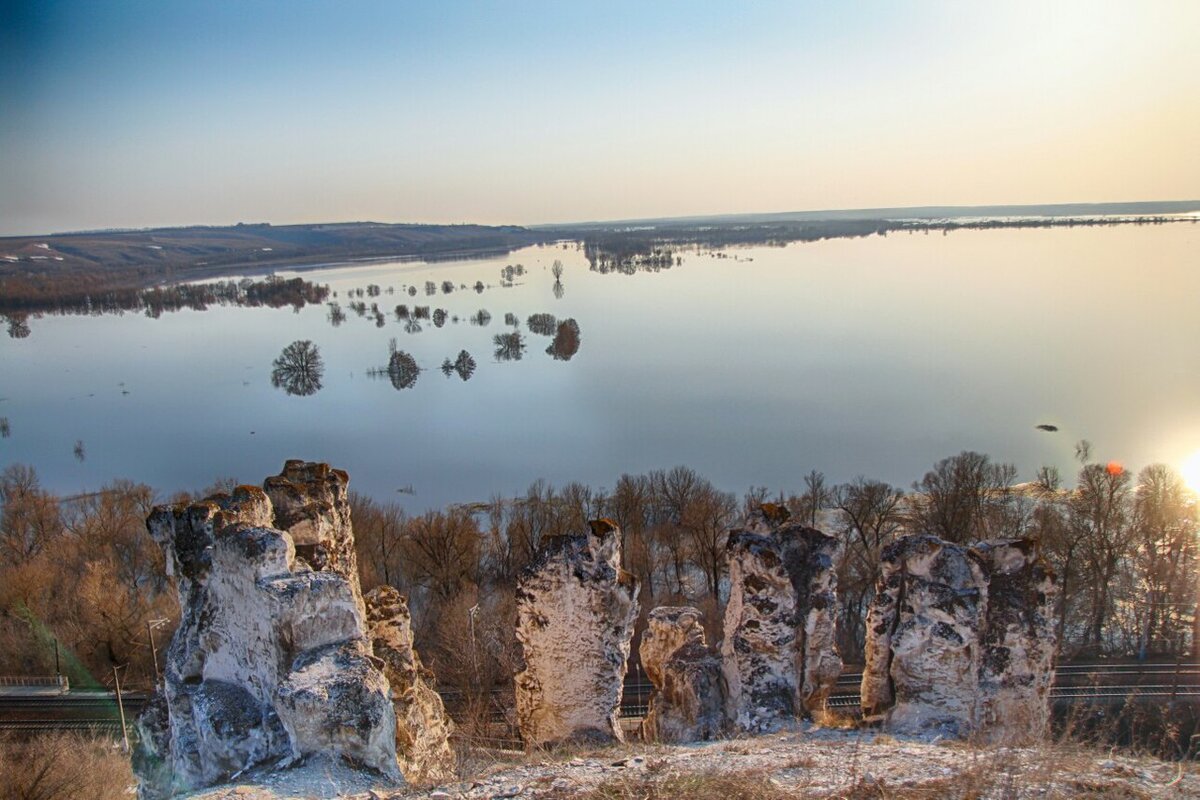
[
  {"x": 566, "y": 341},
  {"x": 464, "y": 365},
  {"x": 402, "y": 370},
  {"x": 18, "y": 326},
  {"x": 509, "y": 346},
  {"x": 299, "y": 369}
]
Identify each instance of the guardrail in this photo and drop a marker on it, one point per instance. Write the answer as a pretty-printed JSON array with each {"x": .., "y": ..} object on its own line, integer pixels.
[{"x": 53, "y": 681}]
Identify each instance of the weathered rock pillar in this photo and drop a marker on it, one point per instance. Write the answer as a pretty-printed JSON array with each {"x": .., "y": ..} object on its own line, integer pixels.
[
  {"x": 960, "y": 639},
  {"x": 780, "y": 658},
  {"x": 271, "y": 662},
  {"x": 422, "y": 727},
  {"x": 576, "y": 609},
  {"x": 1016, "y": 665},
  {"x": 687, "y": 704}
]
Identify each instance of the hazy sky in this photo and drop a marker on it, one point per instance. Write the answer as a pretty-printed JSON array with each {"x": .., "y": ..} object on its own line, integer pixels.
[{"x": 148, "y": 113}]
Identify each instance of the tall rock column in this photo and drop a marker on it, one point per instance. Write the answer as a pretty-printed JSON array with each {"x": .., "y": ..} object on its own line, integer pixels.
[
  {"x": 780, "y": 658},
  {"x": 1016, "y": 665},
  {"x": 687, "y": 704},
  {"x": 312, "y": 503},
  {"x": 576, "y": 609},
  {"x": 422, "y": 727},
  {"x": 923, "y": 637},
  {"x": 960, "y": 640}
]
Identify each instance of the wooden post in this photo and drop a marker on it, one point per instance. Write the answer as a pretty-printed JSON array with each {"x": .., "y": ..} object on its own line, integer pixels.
[{"x": 121, "y": 708}]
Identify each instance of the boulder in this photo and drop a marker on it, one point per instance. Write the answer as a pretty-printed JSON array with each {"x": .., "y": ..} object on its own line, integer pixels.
[
  {"x": 576, "y": 609},
  {"x": 960, "y": 639},
  {"x": 687, "y": 704},
  {"x": 270, "y": 663},
  {"x": 422, "y": 727},
  {"x": 779, "y": 654}
]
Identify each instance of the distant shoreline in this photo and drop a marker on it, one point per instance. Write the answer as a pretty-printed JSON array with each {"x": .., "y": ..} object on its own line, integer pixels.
[{"x": 43, "y": 273}]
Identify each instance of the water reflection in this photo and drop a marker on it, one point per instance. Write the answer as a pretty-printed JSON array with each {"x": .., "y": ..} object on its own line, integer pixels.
[
  {"x": 18, "y": 326},
  {"x": 566, "y": 341},
  {"x": 509, "y": 346},
  {"x": 541, "y": 324},
  {"x": 402, "y": 370},
  {"x": 464, "y": 365},
  {"x": 299, "y": 369}
]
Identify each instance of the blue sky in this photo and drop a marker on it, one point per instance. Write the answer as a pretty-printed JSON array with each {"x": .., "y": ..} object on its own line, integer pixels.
[{"x": 151, "y": 113}]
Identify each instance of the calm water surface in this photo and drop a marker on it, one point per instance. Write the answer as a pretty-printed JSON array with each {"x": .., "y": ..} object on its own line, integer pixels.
[{"x": 869, "y": 356}]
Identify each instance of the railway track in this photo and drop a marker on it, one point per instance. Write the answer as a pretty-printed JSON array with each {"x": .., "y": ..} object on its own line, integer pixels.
[{"x": 1074, "y": 683}]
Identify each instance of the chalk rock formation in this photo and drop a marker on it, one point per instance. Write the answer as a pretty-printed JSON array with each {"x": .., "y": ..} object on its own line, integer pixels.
[
  {"x": 1016, "y": 661},
  {"x": 687, "y": 705},
  {"x": 422, "y": 727},
  {"x": 270, "y": 663},
  {"x": 780, "y": 658},
  {"x": 960, "y": 639},
  {"x": 575, "y": 613},
  {"x": 312, "y": 504}
]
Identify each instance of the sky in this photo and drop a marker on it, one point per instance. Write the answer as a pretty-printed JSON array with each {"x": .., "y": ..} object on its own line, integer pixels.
[{"x": 145, "y": 113}]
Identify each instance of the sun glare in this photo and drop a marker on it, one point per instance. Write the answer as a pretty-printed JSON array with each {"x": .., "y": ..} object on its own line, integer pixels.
[{"x": 1190, "y": 469}]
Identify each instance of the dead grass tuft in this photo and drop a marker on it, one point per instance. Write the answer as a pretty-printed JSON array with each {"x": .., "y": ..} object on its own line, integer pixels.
[{"x": 694, "y": 786}]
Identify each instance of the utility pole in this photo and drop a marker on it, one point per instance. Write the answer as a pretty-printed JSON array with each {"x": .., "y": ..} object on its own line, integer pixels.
[
  {"x": 121, "y": 708},
  {"x": 474, "y": 659},
  {"x": 151, "y": 625}
]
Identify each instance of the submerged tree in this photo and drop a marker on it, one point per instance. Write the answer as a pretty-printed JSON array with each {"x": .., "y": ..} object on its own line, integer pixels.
[
  {"x": 464, "y": 365},
  {"x": 299, "y": 369},
  {"x": 509, "y": 346},
  {"x": 18, "y": 326},
  {"x": 566, "y": 341},
  {"x": 541, "y": 324},
  {"x": 402, "y": 369}
]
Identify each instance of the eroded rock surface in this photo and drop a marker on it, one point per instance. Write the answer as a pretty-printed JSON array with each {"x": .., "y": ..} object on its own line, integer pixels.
[
  {"x": 960, "y": 639},
  {"x": 780, "y": 658},
  {"x": 687, "y": 704},
  {"x": 312, "y": 504},
  {"x": 576, "y": 609},
  {"x": 271, "y": 662},
  {"x": 422, "y": 727},
  {"x": 1016, "y": 665}
]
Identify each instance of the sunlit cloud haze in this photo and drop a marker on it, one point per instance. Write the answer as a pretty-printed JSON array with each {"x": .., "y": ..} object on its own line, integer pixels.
[{"x": 150, "y": 113}]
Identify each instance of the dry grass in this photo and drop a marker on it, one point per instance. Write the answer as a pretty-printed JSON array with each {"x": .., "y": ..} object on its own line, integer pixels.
[
  {"x": 695, "y": 786},
  {"x": 63, "y": 766}
]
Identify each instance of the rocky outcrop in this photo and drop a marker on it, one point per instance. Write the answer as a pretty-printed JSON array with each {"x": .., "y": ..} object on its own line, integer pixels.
[
  {"x": 575, "y": 613},
  {"x": 960, "y": 639},
  {"x": 780, "y": 658},
  {"x": 687, "y": 704},
  {"x": 422, "y": 727},
  {"x": 271, "y": 662},
  {"x": 312, "y": 504},
  {"x": 1016, "y": 660}
]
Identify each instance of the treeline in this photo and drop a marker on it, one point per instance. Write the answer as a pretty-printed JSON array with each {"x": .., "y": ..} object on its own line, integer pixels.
[
  {"x": 83, "y": 571},
  {"x": 651, "y": 249},
  {"x": 89, "y": 298}
]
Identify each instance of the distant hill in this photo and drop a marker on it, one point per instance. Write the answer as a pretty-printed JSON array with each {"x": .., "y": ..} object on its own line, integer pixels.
[
  {"x": 182, "y": 251},
  {"x": 1151, "y": 208}
]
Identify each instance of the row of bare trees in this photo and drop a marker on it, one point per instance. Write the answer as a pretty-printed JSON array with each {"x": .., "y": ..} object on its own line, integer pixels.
[
  {"x": 82, "y": 574},
  {"x": 1123, "y": 547}
]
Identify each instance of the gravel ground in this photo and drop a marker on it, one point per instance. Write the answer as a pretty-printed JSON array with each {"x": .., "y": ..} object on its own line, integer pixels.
[{"x": 808, "y": 763}]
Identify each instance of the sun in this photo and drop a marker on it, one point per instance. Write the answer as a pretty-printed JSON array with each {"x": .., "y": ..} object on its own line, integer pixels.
[{"x": 1190, "y": 470}]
